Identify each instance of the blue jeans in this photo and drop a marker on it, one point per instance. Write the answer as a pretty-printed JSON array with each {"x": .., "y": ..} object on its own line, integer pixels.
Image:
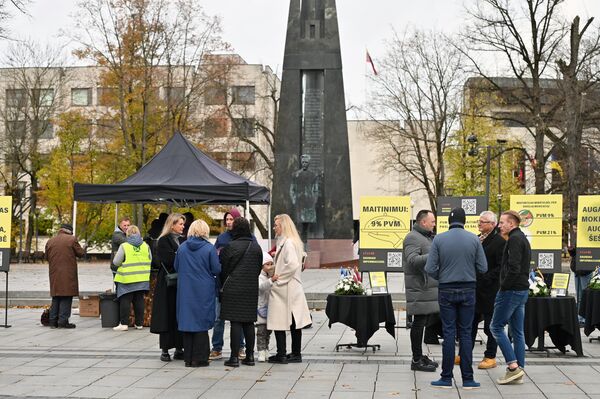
[
  {"x": 60, "y": 310},
  {"x": 219, "y": 330},
  {"x": 581, "y": 283},
  {"x": 509, "y": 308},
  {"x": 457, "y": 307}
]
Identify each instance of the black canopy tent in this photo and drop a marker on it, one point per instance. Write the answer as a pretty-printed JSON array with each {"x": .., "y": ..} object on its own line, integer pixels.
[{"x": 180, "y": 174}]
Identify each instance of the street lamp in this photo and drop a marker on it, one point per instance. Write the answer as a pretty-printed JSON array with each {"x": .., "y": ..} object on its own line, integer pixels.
[{"x": 474, "y": 151}]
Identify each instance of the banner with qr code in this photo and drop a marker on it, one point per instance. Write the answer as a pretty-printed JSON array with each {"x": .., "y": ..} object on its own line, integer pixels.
[
  {"x": 384, "y": 222},
  {"x": 5, "y": 227},
  {"x": 473, "y": 206},
  {"x": 541, "y": 222},
  {"x": 588, "y": 233}
]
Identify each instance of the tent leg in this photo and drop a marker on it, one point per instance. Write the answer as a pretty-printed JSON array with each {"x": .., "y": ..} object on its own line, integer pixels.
[
  {"x": 269, "y": 225},
  {"x": 116, "y": 215},
  {"x": 74, "y": 218},
  {"x": 248, "y": 210}
]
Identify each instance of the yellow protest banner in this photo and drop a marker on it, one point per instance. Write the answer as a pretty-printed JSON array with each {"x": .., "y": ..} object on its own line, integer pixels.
[
  {"x": 541, "y": 222},
  {"x": 5, "y": 221},
  {"x": 384, "y": 222},
  {"x": 588, "y": 232}
]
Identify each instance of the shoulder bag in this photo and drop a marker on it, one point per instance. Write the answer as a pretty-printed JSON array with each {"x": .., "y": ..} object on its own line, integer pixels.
[{"x": 170, "y": 278}]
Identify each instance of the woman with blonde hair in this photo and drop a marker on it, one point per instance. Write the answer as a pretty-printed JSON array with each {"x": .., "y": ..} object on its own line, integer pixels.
[
  {"x": 197, "y": 266},
  {"x": 132, "y": 277},
  {"x": 288, "y": 309},
  {"x": 164, "y": 318}
]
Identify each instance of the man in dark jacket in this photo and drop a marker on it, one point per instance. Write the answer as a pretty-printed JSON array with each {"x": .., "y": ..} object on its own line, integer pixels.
[
  {"x": 582, "y": 277},
  {"x": 509, "y": 307},
  {"x": 118, "y": 238},
  {"x": 421, "y": 291},
  {"x": 455, "y": 258},
  {"x": 61, "y": 252},
  {"x": 488, "y": 284}
]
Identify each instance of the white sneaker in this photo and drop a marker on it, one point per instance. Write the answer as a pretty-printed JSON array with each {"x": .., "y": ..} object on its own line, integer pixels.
[
  {"x": 121, "y": 327},
  {"x": 263, "y": 355},
  {"x": 139, "y": 327}
]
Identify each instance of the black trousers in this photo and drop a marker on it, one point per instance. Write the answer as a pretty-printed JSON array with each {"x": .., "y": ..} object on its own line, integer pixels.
[
  {"x": 491, "y": 346},
  {"x": 296, "y": 334},
  {"x": 236, "y": 334},
  {"x": 125, "y": 301},
  {"x": 196, "y": 346},
  {"x": 171, "y": 339},
  {"x": 416, "y": 335}
]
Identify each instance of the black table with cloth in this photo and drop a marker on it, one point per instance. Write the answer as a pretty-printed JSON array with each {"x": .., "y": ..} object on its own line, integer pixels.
[
  {"x": 556, "y": 315},
  {"x": 363, "y": 313},
  {"x": 589, "y": 308}
]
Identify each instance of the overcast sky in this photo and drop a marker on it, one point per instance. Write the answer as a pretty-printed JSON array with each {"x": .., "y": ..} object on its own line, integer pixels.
[{"x": 256, "y": 28}]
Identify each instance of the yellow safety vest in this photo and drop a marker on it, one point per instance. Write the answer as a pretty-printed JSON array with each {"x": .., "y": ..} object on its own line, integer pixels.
[{"x": 136, "y": 266}]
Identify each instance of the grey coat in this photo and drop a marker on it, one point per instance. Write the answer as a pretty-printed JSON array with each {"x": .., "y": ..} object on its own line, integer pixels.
[{"x": 421, "y": 290}]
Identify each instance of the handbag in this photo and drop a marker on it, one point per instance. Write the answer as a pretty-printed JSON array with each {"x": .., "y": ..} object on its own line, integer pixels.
[
  {"x": 236, "y": 265},
  {"x": 170, "y": 278},
  {"x": 45, "y": 318}
]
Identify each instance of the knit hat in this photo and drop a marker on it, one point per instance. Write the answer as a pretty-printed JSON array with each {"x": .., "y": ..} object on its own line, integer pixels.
[
  {"x": 233, "y": 212},
  {"x": 267, "y": 258},
  {"x": 457, "y": 216}
]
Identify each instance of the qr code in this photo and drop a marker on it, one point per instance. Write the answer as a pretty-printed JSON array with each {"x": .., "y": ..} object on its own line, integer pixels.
[
  {"x": 545, "y": 260},
  {"x": 394, "y": 259},
  {"x": 470, "y": 206}
]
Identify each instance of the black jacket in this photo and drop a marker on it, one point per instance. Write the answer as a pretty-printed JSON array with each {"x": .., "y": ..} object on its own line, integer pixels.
[
  {"x": 488, "y": 283},
  {"x": 164, "y": 302},
  {"x": 516, "y": 262},
  {"x": 239, "y": 275}
]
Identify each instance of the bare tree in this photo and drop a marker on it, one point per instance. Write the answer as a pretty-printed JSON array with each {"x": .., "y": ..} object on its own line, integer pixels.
[
  {"x": 5, "y": 14},
  {"x": 33, "y": 95},
  {"x": 418, "y": 97},
  {"x": 578, "y": 77},
  {"x": 525, "y": 36}
]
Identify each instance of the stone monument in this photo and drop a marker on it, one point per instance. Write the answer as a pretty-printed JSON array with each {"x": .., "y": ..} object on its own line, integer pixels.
[{"x": 311, "y": 179}]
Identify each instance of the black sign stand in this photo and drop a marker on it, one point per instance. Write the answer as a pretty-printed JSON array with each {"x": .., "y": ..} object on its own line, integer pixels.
[{"x": 6, "y": 325}]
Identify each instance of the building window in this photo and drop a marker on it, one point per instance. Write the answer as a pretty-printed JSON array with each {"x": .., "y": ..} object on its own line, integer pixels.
[
  {"x": 107, "y": 96},
  {"x": 16, "y": 129},
  {"x": 244, "y": 127},
  {"x": 242, "y": 94},
  {"x": 241, "y": 161},
  {"x": 215, "y": 95},
  {"x": 16, "y": 98},
  {"x": 215, "y": 127},
  {"x": 43, "y": 97},
  {"x": 174, "y": 95},
  {"x": 81, "y": 97},
  {"x": 42, "y": 129}
]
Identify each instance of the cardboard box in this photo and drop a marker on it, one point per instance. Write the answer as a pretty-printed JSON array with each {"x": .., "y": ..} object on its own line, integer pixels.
[{"x": 89, "y": 306}]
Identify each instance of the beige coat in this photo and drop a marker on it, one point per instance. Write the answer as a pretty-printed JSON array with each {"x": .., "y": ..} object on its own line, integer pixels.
[{"x": 287, "y": 295}]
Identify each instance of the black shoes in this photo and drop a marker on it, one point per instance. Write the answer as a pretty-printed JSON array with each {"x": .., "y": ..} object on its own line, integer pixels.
[
  {"x": 65, "y": 325},
  {"x": 427, "y": 360},
  {"x": 249, "y": 360},
  {"x": 233, "y": 362},
  {"x": 165, "y": 357},
  {"x": 178, "y": 355},
  {"x": 422, "y": 365},
  {"x": 278, "y": 359},
  {"x": 294, "y": 358}
]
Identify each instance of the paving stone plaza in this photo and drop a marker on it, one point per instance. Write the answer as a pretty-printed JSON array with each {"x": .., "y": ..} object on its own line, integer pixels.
[{"x": 95, "y": 362}]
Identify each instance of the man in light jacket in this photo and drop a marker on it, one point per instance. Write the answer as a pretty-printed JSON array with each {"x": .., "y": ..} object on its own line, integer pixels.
[
  {"x": 455, "y": 258},
  {"x": 421, "y": 291}
]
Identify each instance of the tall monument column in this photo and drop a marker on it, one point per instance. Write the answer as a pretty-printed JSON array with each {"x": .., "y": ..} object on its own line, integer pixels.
[{"x": 311, "y": 180}]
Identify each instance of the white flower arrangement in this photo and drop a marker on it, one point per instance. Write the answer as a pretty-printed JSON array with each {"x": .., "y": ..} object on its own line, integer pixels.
[
  {"x": 349, "y": 284},
  {"x": 537, "y": 286}
]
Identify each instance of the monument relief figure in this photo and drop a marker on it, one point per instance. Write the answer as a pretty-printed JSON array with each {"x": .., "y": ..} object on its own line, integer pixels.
[{"x": 304, "y": 193}]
